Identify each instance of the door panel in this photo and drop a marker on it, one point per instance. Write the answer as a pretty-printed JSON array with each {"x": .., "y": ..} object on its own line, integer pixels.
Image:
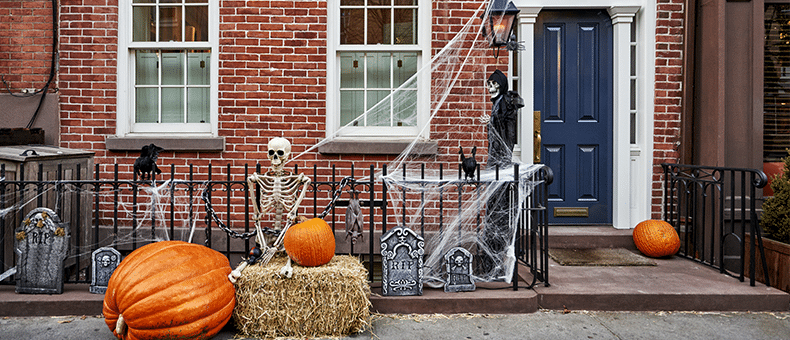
[{"x": 573, "y": 91}]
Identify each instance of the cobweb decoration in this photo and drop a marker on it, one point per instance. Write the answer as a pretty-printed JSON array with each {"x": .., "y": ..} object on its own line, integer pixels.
[{"x": 426, "y": 190}]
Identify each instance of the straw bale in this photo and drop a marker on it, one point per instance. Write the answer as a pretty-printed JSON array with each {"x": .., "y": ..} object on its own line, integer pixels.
[{"x": 326, "y": 301}]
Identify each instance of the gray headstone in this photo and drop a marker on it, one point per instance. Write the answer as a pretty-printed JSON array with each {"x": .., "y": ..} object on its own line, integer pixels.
[
  {"x": 458, "y": 262},
  {"x": 103, "y": 262},
  {"x": 41, "y": 244},
  {"x": 402, "y": 251}
]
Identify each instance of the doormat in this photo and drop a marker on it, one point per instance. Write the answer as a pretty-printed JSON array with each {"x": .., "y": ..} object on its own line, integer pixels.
[{"x": 599, "y": 257}]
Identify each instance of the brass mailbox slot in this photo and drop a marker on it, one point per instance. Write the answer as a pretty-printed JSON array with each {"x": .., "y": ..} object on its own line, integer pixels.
[{"x": 571, "y": 212}]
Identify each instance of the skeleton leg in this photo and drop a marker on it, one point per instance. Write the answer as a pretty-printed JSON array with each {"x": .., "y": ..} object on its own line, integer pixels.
[{"x": 287, "y": 270}]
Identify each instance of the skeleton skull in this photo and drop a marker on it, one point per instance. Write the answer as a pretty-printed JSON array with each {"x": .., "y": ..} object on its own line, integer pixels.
[
  {"x": 493, "y": 88},
  {"x": 279, "y": 151}
]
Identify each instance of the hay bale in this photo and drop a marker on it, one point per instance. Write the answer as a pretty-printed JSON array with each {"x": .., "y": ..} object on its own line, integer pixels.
[{"x": 325, "y": 301}]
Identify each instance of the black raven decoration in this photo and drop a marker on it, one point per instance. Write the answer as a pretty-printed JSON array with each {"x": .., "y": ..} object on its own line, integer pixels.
[
  {"x": 468, "y": 165},
  {"x": 146, "y": 163}
]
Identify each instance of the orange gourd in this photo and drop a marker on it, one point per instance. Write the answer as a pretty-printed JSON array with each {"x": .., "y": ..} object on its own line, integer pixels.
[
  {"x": 656, "y": 238},
  {"x": 310, "y": 243},
  {"x": 170, "y": 290}
]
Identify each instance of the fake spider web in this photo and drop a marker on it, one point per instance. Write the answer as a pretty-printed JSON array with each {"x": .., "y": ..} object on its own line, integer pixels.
[{"x": 427, "y": 192}]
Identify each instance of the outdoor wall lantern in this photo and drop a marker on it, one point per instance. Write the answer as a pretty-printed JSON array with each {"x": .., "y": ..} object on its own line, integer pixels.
[{"x": 498, "y": 22}]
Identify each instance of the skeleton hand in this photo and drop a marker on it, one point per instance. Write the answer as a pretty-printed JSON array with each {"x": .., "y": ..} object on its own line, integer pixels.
[{"x": 484, "y": 119}]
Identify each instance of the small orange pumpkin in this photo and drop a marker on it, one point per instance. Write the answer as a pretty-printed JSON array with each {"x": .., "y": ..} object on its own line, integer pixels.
[
  {"x": 310, "y": 243},
  {"x": 170, "y": 290},
  {"x": 656, "y": 238}
]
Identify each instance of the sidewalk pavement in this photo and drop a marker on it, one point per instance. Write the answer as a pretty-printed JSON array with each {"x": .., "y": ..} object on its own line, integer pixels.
[{"x": 543, "y": 324}]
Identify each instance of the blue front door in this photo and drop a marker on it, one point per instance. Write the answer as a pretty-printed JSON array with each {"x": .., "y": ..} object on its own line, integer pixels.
[{"x": 573, "y": 92}]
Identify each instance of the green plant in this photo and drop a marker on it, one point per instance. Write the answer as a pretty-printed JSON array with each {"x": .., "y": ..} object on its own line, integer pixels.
[{"x": 776, "y": 210}]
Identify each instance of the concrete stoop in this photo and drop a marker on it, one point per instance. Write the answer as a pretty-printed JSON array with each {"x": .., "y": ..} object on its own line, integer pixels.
[{"x": 674, "y": 284}]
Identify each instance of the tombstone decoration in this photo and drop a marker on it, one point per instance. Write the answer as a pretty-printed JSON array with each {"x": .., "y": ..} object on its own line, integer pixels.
[
  {"x": 103, "y": 262},
  {"x": 402, "y": 253},
  {"x": 458, "y": 262},
  {"x": 41, "y": 245}
]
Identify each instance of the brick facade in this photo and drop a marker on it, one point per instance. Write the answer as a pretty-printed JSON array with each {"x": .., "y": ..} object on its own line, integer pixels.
[
  {"x": 272, "y": 79},
  {"x": 668, "y": 93}
]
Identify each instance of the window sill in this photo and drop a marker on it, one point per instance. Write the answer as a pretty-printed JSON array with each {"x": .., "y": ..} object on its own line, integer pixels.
[
  {"x": 211, "y": 144},
  {"x": 364, "y": 147}
]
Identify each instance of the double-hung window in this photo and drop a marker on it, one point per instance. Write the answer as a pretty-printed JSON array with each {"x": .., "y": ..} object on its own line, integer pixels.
[
  {"x": 376, "y": 47},
  {"x": 167, "y": 67}
]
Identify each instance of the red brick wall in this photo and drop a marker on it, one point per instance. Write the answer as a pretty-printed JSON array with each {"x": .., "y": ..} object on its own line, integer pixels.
[
  {"x": 25, "y": 43},
  {"x": 272, "y": 78},
  {"x": 88, "y": 59},
  {"x": 668, "y": 88}
]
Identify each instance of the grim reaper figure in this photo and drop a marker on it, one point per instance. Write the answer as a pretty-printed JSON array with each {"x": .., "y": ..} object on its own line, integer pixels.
[
  {"x": 500, "y": 208},
  {"x": 503, "y": 121}
]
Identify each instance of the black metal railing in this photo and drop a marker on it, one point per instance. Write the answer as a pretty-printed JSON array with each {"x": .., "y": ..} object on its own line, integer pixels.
[
  {"x": 713, "y": 209},
  {"x": 129, "y": 213}
]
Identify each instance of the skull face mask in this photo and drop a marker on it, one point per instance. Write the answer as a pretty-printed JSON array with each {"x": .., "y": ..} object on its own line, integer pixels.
[
  {"x": 493, "y": 88},
  {"x": 279, "y": 151}
]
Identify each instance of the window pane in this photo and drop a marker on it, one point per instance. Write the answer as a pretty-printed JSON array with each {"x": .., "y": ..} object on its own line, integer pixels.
[
  {"x": 170, "y": 24},
  {"x": 173, "y": 105},
  {"x": 351, "y": 106},
  {"x": 170, "y": 1},
  {"x": 380, "y": 115},
  {"x": 172, "y": 68},
  {"x": 146, "y": 71},
  {"x": 405, "y": 108},
  {"x": 144, "y": 1},
  {"x": 147, "y": 105},
  {"x": 351, "y": 67},
  {"x": 197, "y": 1},
  {"x": 196, "y": 23},
  {"x": 405, "y": 26},
  {"x": 352, "y": 26},
  {"x": 143, "y": 23},
  {"x": 379, "y": 3},
  {"x": 198, "y": 69},
  {"x": 405, "y": 68},
  {"x": 378, "y": 66},
  {"x": 379, "y": 26},
  {"x": 405, "y": 2},
  {"x": 198, "y": 105},
  {"x": 776, "y": 84}
]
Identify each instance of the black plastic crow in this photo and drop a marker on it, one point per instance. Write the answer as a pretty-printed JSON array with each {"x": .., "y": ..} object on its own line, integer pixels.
[
  {"x": 469, "y": 165},
  {"x": 146, "y": 163}
]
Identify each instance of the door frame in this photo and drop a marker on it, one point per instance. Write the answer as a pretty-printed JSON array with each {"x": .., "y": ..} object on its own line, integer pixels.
[{"x": 632, "y": 162}]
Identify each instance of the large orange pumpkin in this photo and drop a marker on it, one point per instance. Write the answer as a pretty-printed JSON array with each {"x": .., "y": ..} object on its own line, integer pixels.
[
  {"x": 170, "y": 290},
  {"x": 656, "y": 238},
  {"x": 310, "y": 243}
]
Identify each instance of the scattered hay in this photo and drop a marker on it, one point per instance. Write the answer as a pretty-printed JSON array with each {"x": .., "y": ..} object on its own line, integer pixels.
[{"x": 325, "y": 301}]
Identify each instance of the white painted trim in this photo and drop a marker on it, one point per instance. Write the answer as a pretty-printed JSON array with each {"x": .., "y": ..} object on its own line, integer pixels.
[{"x": 631, "y": 170}]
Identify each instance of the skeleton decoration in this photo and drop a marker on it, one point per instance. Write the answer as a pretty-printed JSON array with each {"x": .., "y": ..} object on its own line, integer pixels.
[
  {"x": 281, "y": 192},
  {"x": 354, "y": 218}
]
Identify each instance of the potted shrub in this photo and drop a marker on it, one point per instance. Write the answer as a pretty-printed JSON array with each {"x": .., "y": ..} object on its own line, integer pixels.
[{"x": 775, "y": 223}]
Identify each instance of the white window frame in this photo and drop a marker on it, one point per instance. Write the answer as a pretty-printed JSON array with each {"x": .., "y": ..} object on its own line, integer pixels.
[
  {"x": 125, "y": 119},
  {"x": 422, "y": 48}
]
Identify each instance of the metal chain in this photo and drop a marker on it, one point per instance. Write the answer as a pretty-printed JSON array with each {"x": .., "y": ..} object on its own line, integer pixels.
[
  {"x": 210, "y": 214},
  {"x": 343, "y": 183}
]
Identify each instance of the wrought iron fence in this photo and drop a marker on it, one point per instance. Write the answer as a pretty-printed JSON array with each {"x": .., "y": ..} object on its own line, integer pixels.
[
  {"x": 713, "y": 209},
  {"x": 129, "y": 213}
]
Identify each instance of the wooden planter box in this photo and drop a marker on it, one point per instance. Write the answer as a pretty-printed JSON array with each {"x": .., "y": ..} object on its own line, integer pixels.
[{"x": 777, "y": 256}]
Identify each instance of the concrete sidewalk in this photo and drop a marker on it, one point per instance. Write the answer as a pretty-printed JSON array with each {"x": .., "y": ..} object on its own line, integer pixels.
[{"x": 540, "y": 325}]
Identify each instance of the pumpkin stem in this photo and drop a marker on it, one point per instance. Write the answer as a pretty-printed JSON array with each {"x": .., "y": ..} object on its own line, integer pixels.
[{"x": 120, "y": 326}]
